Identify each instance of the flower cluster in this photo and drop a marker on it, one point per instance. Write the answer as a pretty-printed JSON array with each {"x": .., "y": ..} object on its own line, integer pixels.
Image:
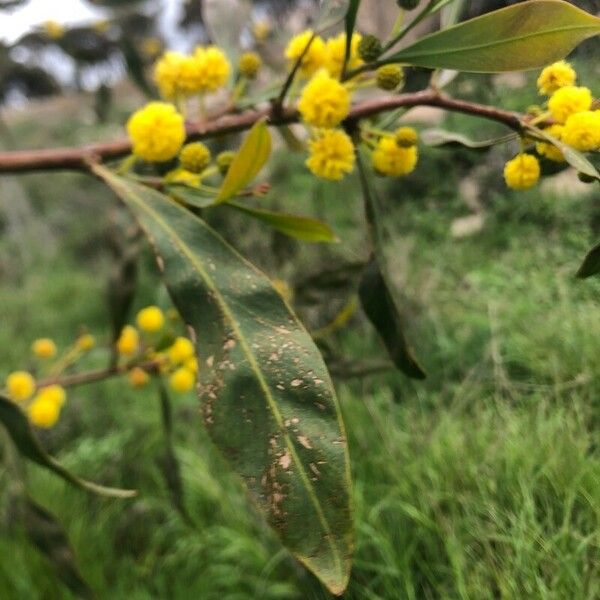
[
  {"x": 150, "y": 348},
  {"x": 43, "y": 399},
  {"x": 569, "y": 118}
]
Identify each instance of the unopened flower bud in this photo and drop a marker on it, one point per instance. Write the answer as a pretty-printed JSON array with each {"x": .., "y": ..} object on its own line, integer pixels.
[
  {"x": 406, "y": 137},
  {"x": 370, "y": 48},
  {"x": 389, "y": 77},
  {"x": 224, "y": 161}
]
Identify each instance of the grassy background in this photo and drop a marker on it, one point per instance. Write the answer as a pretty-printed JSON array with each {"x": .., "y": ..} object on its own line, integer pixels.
[{"x": 482, "y": 482}]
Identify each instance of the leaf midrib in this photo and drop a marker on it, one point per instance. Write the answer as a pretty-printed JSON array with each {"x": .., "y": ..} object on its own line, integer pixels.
[{"x": 255, "y": 367}]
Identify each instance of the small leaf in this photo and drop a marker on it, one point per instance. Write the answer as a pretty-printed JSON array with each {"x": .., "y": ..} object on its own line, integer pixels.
[
  {"x": 350, "y": 25},
  {"x": 301, "y": 228},
  {"x": 591, "y": 263},
  {"x": 19, "y": 429},
  {"x": 440, "y": 137},
  {"x": 381, "y": 308},
  {"x": 573, "y": 157},
  {"x": 267, "y": 398},
  {"x": 190, "y": 196},
  {"x": 376, "y": 293},
  {"x": 528, "y": 35},
  {"x": 50, "y": 538},
  {"x": 248, "y": 162}
]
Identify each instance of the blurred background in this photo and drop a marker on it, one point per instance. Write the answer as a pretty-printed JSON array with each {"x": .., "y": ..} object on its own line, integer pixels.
[{"x": 481, "y": 482}]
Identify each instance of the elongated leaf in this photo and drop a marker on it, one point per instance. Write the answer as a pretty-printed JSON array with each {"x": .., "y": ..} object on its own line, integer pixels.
[
  {"x": 48, "y": 535},
  {"x": 266, "y": 395},
  {"x": 527, "y": 35},
  {"x": 591, "y": 263},
  {"x": 190, "y": 196},
  {"x": 440, "y": 137},
  {"x": 379, "y": 305},
  {"x": 350, "y": 25},
  {"x": 301, "y": 228},
  {"x": 376, "y": 291},
  {"x": 573, "y": 157},
  {"x": 250, "y": 159},
  {"x": 18, "y": 428}
]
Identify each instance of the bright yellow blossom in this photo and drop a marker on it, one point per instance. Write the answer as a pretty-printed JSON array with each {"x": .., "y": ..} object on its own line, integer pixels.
[
  {"x": 177, "y": 75},
  {"x": 336, "y": 53},
  {"x": 214, "y": 68},
  {"x": 20, "y": 386},
  {"x": 150, "y": 319},
  {"x": 44, "y": 412},
  {"x": 569, "y": 100},
  {"x": 182, "y": 380},
  {"x": 43, "y": 348},
  {"x": 129, "y": 341},
  {"x": 522, "y": 172},
  {"x": 315, "y": 57},
  {"x": 393, "y": 160},
  {"x": 324, "y": 102},
  {"x": 195, "y": 157},
  {"x": 85, "y": 342},
  {"x": 181, "y": 350},
  {"x": 138, "y": 378},
  {"x": 191, "y": 364},
  {"x": 331, "y": 154},
  {"x": 52, "y": 393},
  {"x": 157, "y": 132},
  {"x": 555, "y": 76},
  {"x": 582, "y": 131},
  {"x": 550, "y": 151}
]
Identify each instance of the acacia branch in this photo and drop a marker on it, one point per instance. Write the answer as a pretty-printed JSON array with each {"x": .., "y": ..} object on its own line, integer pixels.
[{"x": 79, "y": 159}]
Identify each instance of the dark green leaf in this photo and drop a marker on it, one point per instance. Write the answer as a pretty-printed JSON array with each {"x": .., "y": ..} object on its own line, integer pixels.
[
  {"x": 591, "y": 263},
  {"x": 266, "y": 395},
  {"x": 301, "y": 228},
  {"x": 350, "y": 25},
  {"x": 381, "y": 308},
  {"x": 439, "y": 137},
  {"x": 50, "y": 538},
  {"x": 376, "y": 291},
  {"x": 527, "y": 35},
  {"x": 19, "y": 429},
  {"x": 190, "y": 196},
  {"x": 248, "y": 162}
]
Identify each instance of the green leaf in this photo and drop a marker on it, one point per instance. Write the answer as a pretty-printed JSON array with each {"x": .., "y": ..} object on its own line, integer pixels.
[
  {"x": 190, "y": 196},
  {"x": 267, "y": 398},
  {"x": 331, "y": 12},
  {"x": 248, "y": 162},
  {"x": 301, "y": 228},
  {"x": 18, "y": 428},
  {"x": 48, "y": 535},
  {"x": 376, "y": 290},
  {"x": 440, "y": 137},
  {"x": 350, "y": 25},
  {"x": 524, "y": 36},
  {"x": 591, "y": 263},
  {"x": 573, "y": 157}
]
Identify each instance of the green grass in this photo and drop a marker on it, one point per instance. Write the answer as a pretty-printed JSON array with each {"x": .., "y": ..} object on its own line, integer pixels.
[{"x": 481, "y": 482}]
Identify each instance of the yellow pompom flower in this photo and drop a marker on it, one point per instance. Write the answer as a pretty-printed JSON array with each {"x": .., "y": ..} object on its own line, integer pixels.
[
  {"x": 336, "y": 53},
  {"x": 331, "y": 154},
  {"x": 315, "y": 57},
  {"x": 249, "y": 65},
  {"x": 550, "y": 151},
  {"x": 191, "y": 364},
  {"x": 555, "y": 76},
  {"x": 85, "y": 342},
  {"x": 150, "y": 319},
  {"x": 182, "y": 380},
  {"x": 195, "y": 157},
  {"x": 522, "y": 172},
  {"x": 157, "y": 132},
  {"x": 177, "y": 75},
  {"x": 44, "y": 412},
  {"x": 53, "y": 30},
  {"x": 569, "y": 100},
  {"x": 129, "y": 341},
  {"x": 20, "y": 386},
  {"x": 582, "y": 131},
  {"x": 181, "y": 350},
  {"x": 43, "y": 348},
  {"x": 214, "y": 68},
  {"x": 138, "y": 378},
  {"x": 52, "y": 393},
  {"x": 324, "y": 102},
  {"x": 406, "y": 137},
  {"x": 393, "y": 160}
]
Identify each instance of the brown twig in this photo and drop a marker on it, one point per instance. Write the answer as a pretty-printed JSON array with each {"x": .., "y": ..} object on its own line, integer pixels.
[{"x": 79, "y": 159}]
